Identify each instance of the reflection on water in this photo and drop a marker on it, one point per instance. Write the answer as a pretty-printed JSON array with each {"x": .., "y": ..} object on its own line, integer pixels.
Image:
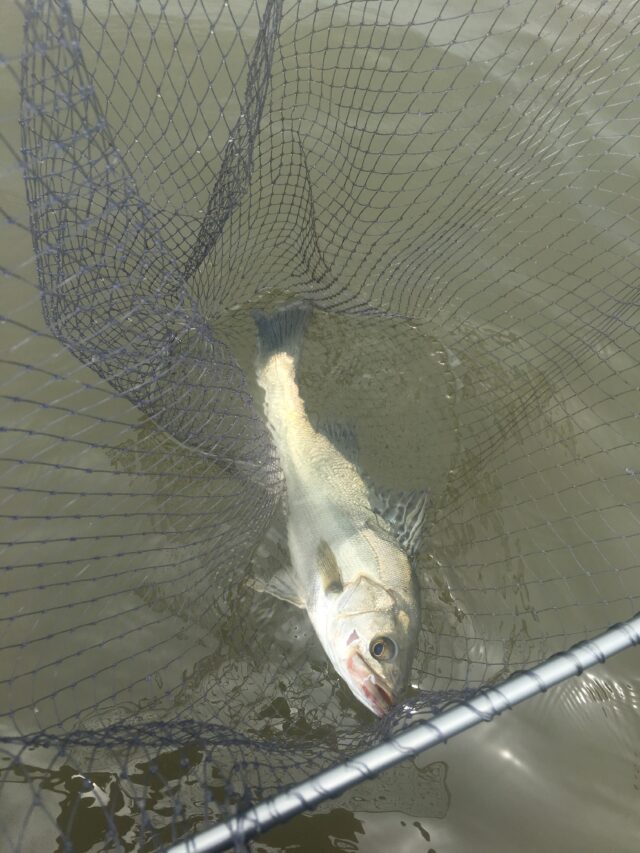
[{"x": 176, "y": 787}]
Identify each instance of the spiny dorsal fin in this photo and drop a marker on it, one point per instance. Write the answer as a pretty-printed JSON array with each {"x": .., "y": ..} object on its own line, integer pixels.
[
  {"x": 343, "y": 437},
  {"x": 405, "y": 513}
]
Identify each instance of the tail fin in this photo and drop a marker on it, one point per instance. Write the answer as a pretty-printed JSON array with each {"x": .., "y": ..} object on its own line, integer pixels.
[{"x": 281, "y": 331}]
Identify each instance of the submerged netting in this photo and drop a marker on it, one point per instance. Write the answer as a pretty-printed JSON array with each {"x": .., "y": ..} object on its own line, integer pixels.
[{"x": 455, "y": 187}]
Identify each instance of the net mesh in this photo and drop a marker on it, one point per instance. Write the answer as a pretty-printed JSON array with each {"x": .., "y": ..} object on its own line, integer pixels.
[{"x": 455, "y": 186}]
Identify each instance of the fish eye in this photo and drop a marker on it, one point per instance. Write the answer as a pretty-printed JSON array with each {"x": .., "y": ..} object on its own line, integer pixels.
[{"x": 383, "y": 648}]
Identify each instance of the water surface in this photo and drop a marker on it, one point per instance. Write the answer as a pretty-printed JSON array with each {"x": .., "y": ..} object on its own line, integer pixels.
[{"x": 487, "y": 215}]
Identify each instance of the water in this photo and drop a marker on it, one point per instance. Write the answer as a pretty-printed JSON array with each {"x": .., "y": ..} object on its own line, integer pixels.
[
  {"x": 558, "y": 773},
  {"x": 512, "y": 397}
]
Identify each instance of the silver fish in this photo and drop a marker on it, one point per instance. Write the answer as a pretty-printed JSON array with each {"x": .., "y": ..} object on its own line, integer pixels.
[{"x": 348, "y": 568}]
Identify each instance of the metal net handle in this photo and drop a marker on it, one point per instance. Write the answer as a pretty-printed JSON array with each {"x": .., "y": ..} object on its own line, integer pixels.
[{"x": 424, "y": 735}]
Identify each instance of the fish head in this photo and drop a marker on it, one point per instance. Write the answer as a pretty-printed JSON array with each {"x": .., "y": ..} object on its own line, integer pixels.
[{"x": 373, "y": 636}]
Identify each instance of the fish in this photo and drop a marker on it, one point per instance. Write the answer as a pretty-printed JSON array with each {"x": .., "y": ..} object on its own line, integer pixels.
[{"x": 351, "y": 546}]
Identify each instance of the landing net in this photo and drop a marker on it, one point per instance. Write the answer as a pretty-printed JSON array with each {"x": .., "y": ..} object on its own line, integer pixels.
[{"x": 455, "y": 188}]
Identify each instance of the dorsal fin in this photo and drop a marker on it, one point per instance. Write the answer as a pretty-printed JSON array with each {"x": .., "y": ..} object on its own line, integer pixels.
[
  {"x": 343, "y": 437},
  {"x": 405, "y": 513}
]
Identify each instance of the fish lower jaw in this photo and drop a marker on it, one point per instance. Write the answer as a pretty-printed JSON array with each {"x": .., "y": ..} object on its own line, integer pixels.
[
  {"x": 367, "y": 687},
  {"x": 379, "y": 699}
]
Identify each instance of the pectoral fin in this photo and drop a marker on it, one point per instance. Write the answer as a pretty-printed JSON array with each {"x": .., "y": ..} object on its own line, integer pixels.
[
  {"x": 405, "y": 513},
  {"x": 328, "y": 569},
  {"x": 282, "y": 585}
]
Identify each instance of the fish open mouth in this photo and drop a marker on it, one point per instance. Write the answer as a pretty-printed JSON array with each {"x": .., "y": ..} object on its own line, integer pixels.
[
  {"x": 375, "y": 693},
  {"x": 380, "y": 700}
]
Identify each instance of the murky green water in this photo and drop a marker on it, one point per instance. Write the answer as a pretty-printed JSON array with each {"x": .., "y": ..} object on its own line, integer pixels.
[{"x": 512, "y": 394}]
